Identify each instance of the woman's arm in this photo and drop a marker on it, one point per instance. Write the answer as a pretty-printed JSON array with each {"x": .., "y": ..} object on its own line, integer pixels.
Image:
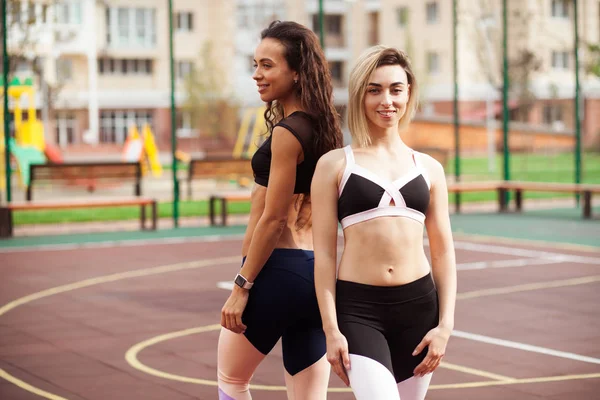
[
  {"x": 324, "y": 197},
  {"x": 443, "y": 267},
  {"x": 286, "y": 151}
]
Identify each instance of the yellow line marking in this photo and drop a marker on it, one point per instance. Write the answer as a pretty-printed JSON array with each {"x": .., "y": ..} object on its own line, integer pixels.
[
  {"x": 528, "y": 287},
  {"x": 113, "y": 278},
  {"x": 131, "y": 356},
  {"x": 544, "y": 379},
  {"x": 96, "y": 281},
  {"x": 24, "y": 385},
  {"x": 498, "y": 380},
  {"x": 477, "y": 372}
]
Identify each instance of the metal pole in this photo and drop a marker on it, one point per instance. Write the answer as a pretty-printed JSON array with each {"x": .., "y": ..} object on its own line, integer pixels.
[
  {"x": 456, "y": 117},
  {"x": 321, "y": 24},
  {"x": 577, "y": 88},
  {"x": 173, "y": 122},
  {"x": 505, "y": 91},
  {"x": 5, "y": 96}
]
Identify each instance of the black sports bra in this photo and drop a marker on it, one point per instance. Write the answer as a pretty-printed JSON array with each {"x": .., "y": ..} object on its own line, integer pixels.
[
  {"x": 301, "y": 125},
  {"x": 363, "y": 195}
]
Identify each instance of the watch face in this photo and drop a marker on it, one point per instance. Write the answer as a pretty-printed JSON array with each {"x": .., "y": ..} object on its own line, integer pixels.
[{"x": 240, "y": 281}]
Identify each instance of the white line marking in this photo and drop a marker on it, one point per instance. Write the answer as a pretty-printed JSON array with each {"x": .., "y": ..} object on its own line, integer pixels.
[
  {"x": 520, "y": 262},
  {"x": 525, "y": 347},
  {"x": 487, "y": 248},
  {"x": 227, "y": 285}
]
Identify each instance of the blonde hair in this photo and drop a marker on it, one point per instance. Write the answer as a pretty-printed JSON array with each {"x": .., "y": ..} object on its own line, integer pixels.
[{"x": 367, "y": 63}]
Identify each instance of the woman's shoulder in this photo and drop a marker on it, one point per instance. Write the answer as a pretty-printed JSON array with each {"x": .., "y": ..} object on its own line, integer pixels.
[{"x": 332, "y": 158}]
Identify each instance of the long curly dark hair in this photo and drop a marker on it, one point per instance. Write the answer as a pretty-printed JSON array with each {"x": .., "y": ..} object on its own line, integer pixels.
[{"x": 314, "y": 89}]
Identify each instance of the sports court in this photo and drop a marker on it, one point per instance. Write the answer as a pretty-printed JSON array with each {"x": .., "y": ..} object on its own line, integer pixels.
[{"x": 136, "y": 316}]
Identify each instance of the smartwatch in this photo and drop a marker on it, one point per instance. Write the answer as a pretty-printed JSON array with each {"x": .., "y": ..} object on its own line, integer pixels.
[{"x": 242, "y": 282}]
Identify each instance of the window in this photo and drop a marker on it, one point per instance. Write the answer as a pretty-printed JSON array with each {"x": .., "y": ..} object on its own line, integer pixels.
[
  {"x": 250, "y": 64},
  {"x": 337, "y": 73},
  {"x": 553, "y": 113},
  {"x": 15, "y": 12},
  {"x": 431, "y": 10},
  {"x": 184, "y": 22},
  {"x": 242, "y": 16},
  {"x": 433, "y": 63},
  {"x": 131, "y": 27},
  {"x": 402, "y": 16},
  {"x": 65, "y": 129},
  {"x": 333, "y": 24},
  {"x": 64, "y": 70},
  {"x": 560, "y": 8},
  {"x": 68, "y": 12},
  {"x": 184, "y": 124},
  {"x": 115, "y": 125},
  {"x": 184, "y": 69},
  {"x": 111, "y": 66},
  {"x": 560, "y": 59}
]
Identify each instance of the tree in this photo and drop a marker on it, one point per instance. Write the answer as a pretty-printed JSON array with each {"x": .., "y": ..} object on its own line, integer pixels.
[
  {"x": 523, "y": 62},
  {"x": 593, "y": 65},
  {"x": 212, "y": 110}
]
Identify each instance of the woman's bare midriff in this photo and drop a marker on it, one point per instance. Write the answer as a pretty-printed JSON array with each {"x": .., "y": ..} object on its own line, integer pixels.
[
  {"x": 385, "y": 251},
  {"x": 297, "y": 233}
]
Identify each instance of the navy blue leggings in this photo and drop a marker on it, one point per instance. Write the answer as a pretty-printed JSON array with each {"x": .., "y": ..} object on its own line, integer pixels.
[{"x": 283, "y": 304}]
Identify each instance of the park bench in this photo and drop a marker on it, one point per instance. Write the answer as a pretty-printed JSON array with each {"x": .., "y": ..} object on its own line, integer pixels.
[
  {"x": 6, "y": 211},
  {"x": 218, "y": 168},
  {"x": 86, "y": 174},
  {"x": 519, "y": 187},
  {"x": 586, "y": 190},
  {"x": 463, "y": 187},
  {"x": 224, "y": 199}
]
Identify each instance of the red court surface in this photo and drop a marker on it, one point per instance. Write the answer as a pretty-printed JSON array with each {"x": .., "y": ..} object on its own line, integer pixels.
[{"x": 138, "y": 321}]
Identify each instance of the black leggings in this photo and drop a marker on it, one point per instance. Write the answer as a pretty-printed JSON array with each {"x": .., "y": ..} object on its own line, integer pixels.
[{"x": 386, "y": 323}]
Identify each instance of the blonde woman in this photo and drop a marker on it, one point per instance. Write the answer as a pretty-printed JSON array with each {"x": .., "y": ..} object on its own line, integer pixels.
[{"x": 388, "y": 314}]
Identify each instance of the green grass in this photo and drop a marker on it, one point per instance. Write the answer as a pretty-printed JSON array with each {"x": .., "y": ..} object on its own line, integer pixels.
[
  {"x": 165, "y": 210},
  {"x": 527, "y": 167}
]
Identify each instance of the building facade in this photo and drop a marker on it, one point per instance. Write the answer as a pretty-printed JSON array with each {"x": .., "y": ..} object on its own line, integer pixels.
[{"x": 110, "y": 58}]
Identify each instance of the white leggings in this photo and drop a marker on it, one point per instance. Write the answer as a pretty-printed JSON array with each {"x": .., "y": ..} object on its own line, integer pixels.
[{"x": 370, "y": 380}]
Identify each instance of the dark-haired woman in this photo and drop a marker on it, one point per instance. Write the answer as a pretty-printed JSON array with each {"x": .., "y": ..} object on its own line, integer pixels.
[{"x": 273, "y": 296}]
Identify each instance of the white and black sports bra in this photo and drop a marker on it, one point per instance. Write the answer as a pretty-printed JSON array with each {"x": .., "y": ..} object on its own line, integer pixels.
[{"x": 363, "y": 195}]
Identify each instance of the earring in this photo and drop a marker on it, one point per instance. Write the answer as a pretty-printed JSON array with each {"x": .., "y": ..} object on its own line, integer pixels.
[{"x": 295, "y": 81}]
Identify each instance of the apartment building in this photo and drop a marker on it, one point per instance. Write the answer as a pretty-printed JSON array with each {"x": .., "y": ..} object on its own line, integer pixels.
[
  {"x": 539, "y": 29},
  {"x": 123, "y": 77},
  {"x": 110, "y": 61}
]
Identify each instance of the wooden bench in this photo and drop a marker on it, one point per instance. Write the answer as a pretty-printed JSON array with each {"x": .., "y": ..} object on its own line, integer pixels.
[
  {"x": 86, "y": 174},
  {"x": 223, "y": 199},
  {"x": 217, "y": 168},
  {"x": 518, "y": 187},
  {"x": 6, "y": 217},
  {"x": 497, "y": 186},
  {"x": 586, "y": 190}
]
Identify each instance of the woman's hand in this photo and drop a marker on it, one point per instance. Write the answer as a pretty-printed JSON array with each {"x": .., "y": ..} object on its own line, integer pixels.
[
  {"x": 231, "y": 313},
  {"x": 436, "y": 339},
  {"x": 337, "y": 355}
]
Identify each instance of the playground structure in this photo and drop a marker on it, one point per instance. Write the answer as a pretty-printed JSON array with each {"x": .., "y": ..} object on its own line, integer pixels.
[
  {"x": 30, "y": 147},
  {"x": 142, "y": 148},
  {"x": 248, "y": 139}
]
